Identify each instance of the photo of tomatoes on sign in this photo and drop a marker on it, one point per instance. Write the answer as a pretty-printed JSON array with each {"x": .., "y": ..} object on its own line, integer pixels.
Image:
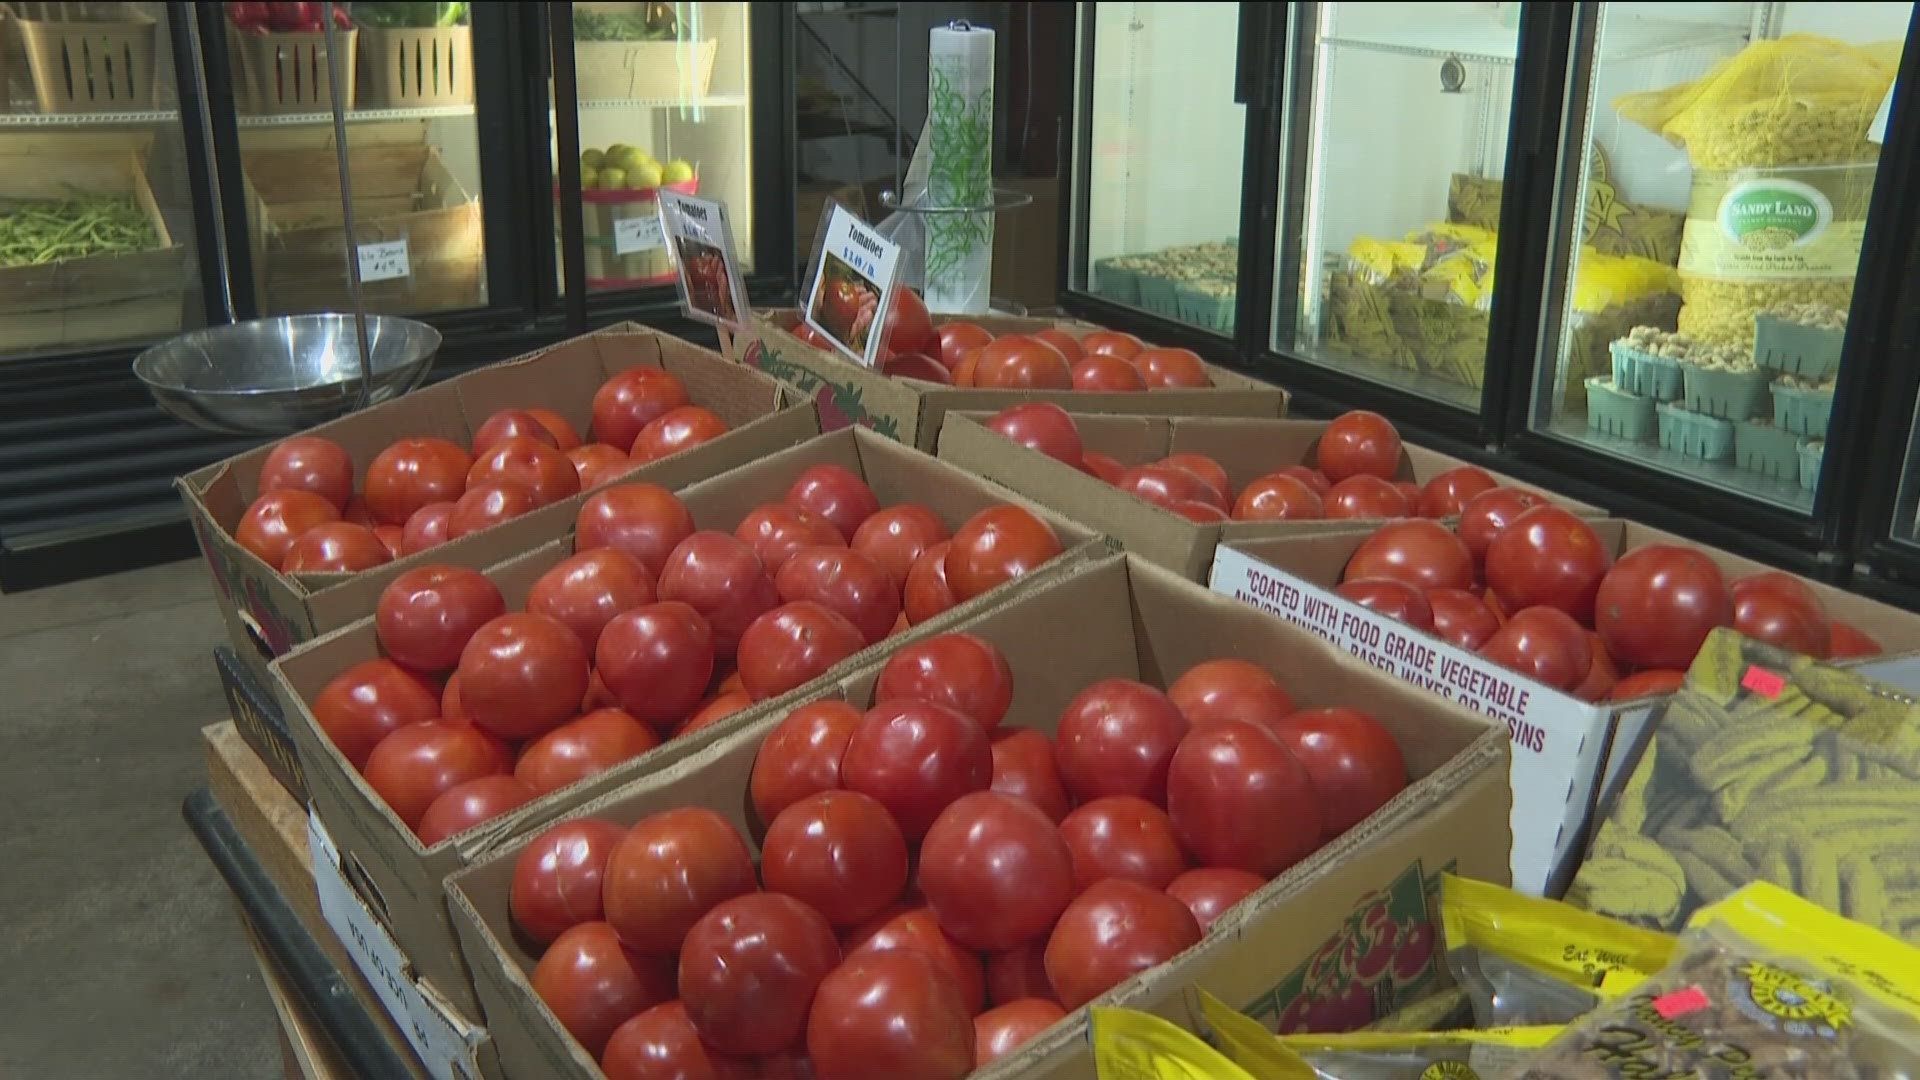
[
  {"x": 850, "y": 284},
  {"x": 711, "y": 289},
  {"x": 706, "y": 274},
  {"x": 845, "y": 304}
]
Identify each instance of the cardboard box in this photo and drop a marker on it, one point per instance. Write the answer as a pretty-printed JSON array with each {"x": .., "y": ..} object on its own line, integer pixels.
[
  {"x": 402, "y": 877},
  {"x": 1566, "y": 751},
  {"x": 268, "y": 612},
  {"x": 911, "y": 411},
  {"x": 1128, "y": 619},
  {"x": 258, "y": 718},
  {"x": 1247, "y": 449}
]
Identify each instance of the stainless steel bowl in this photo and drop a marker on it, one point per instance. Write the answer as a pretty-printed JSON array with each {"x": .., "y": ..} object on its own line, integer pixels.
[{"x": 285, "y": 374}]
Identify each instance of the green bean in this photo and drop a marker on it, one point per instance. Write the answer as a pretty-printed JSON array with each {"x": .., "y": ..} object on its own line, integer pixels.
[{"x": 35, "y": 232}]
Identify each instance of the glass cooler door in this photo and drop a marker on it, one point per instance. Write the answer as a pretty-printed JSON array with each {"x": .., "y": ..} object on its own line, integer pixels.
[{"x": 1728, "y": 153}]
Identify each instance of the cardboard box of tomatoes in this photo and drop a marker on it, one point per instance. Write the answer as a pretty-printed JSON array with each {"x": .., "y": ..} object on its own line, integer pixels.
[
  {"x": 1117, "y": 452},
  {"x": 1567, "y": 749},
  {"x": 1313, "y": 886},
  {"x": 269, "y": 610},
  {"x": 911, "y": 409},
  {"x": 394, "y": 841}
]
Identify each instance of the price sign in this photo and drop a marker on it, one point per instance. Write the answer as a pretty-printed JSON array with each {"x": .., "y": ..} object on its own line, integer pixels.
[
  {"x": 711, "y": 288},
  {"x": 636, "y": 234},
  {"x": 851, "y": 285},
  {"x": 384, "y": 261}
]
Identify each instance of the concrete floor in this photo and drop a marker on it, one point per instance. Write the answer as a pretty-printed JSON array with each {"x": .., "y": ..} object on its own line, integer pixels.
[{"x": 120, "y": 947}]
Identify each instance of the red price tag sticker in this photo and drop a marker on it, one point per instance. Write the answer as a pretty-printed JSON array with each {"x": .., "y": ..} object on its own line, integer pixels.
[
  {"x": 1681, "y": 1002},
  {"x": 1767, "y": 684}
]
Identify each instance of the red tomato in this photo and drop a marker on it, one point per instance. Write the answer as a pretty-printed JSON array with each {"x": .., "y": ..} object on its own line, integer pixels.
[
  {"x": 915, "y": 365},
  {"x": 661, "y": 1044},
  {"x": 1000, "y": 1031},
  {"x": 995, "y": 870},
  {"x": 1198, "y": 512},
  {"x": 897, "y": 536},
  {"x": 278, "y": 518},
  {"x": 836, "y": 495},
  {"x": 1226, "y": 689},
  {"x": 670, "y": 869},
  {"x": 486, "y": 505},
  {"x": 1112, "y": 343},
  {"x": 1102, "y": 466},
  {"x": 1366, "y": 497},
  {"x": 1171, "y": 369},
  {"x": 721, "y": 578},
  {"x": 412, "y": 473},
  {"x": 790, "y": 1064},
  {"x": 1394, "y": 599},
  {"x": 430, "y": 526},
  {"x": 845, "y": 581},
  {"x": 1446, "y": 494},
  {"x": 775, "y": 531},
  {"x": 644, "y": 520},
  {"x": 587, "y": 590},
  {"x": 369, "y": 701},
  {"x": 1064, "y": 343},
  {"x": 565, "y": 435},
  {"x": 1210, "y": 892},
  {"x": 965, "y": 673},
  {"x": 1106, "y": 374},
  {"x": 916, "y": 757},
  {"x": 838, "y": 852},
  {"x": 1772, "y": 607},
  {"x": 1601, "y": 673},
  {"x": 1849, "y": 642},
  {"x": 749, "y": 969},
  {"x": 1424, "y": 554},
  {"x": 450, "y": 708},
  {"x": 1311, "y": 477},
  {"x": 969, "y": 363},
  {"x": 801, "y": 756},
  {"x": 909, "y": 327},
  {"x": 714, "y": 710},
  {"x": 309, "y": 463},
  {"x": 335, "y": 547},
  {"x": 426, "y": 615},
  {"x": 1020, "y": 362},
  {"x": 995, "y": 546},
  {"x": 510, "y": 424},
  {"x": 593, "y": 984},
  {"x": 1658, "y": 603},
  {"x": 598, "y": 463},
  {"x": 1019, "y": 973},
  {"x": 1354, "y": 763},
  {"x": 957, "y": 339},
  {"x": 1206, "y": 469},
  {"x": 1461, "y": 618},
  {"x": 556, "y": 879},
  {"x": 630, "y": 401},
  {"x": 1487, "y": 515},
  {"x": 916, "y": 928},
  {"x": 581, "y": 748},
  {"x": 794, "y": 644},
  {"x": 1547, "y": 557},
  {"x": 419, "y": 762},
  {"x": 1111, "y": 932},
  {"x": 356, "y": 511},
  {"x": 1647, "y": 684},
  {"x": 476, "y": 801},
  {"x": 1278, "y": 497},
  {"x": 1239, "y": 799},
  {"x": 1117, "y": 737},
  {"x": 522, "y": 675},
  {"x": 1024, "y": 767},
  {"x": 682, "y": 428},
  {"x": 541, "y": 469},
  {"x": 1411, "y": 490},
  {"x": 1544, "y": 644},
  {"x": 1359, "y": 443},
  {"x": 889, "y": 1014},
  {"x": 1164, "y": 485},
  {"x": 656, "y": 661},
  {"x": 390, "y": 537},
  {"x": 925, "y": 593},
  {"x": 1122, "y": 837},
  {"x": 1041, "y": 426}
]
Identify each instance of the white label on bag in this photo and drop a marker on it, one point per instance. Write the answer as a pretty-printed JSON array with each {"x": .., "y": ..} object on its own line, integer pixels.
[
  {"x": 384, "y": 261},
  {"x": 636, "y": 234},
  {"x": 1877, "y": 131}
]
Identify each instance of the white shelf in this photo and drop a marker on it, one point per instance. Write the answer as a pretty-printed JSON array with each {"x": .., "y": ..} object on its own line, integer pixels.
[
  {"x": 354, "y": 116},
  {"x": 1498, "y": 44},
  {"x": 710, "y": 101},
  {"x": 88, "y": 119}
]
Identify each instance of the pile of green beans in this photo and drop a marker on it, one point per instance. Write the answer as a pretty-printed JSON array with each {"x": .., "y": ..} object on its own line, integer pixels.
[{"x": 35, "y": 232}]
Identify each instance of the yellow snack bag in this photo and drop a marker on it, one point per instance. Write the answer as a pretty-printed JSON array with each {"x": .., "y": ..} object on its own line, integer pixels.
[
  {"x": 1368, "y": 1055},
  {"x": 1129, "y": 1045},
  {"x": 1525, "y": 960}
]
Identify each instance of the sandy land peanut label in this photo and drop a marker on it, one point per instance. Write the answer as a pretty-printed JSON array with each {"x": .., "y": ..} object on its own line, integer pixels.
[{"x": 1766, "y": 224}]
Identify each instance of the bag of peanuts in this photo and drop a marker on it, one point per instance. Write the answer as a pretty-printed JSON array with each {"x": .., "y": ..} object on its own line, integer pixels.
[
  {"x": 1368, "y": 1055},
  {"x": 1763, "y": 986},
  {"x": 1782, "y": 175}
]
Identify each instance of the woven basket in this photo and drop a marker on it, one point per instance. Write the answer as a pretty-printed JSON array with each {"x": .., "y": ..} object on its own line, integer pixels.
[
  {"x": 88, "y": 66},
  {"x": 287, "y": 71},
  {"x": 422, "y": 68}
]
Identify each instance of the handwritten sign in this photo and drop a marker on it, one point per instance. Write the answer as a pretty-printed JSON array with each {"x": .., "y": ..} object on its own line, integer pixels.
[
  {"x": 636, "y": 234},
  {"x": 850, "y": 286},
  {"x": 384, "y": 261}
]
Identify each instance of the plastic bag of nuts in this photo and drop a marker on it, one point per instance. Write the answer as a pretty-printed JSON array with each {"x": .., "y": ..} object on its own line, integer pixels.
[{"x": 1764, "y": 986}]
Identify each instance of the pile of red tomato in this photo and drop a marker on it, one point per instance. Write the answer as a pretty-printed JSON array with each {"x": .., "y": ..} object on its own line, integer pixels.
[
  {"x": 421, "y": 492},
  {"x": 653, "y": 629},
  {"x": 932, "y": 889},
  {"x": 1532, "y": 587},
  {"x": 961, "y": 353}
]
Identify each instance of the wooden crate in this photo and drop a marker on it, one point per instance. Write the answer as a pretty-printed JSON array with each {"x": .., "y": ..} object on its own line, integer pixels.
[
  {"x": 399, "y": 191},
  {"x": 641, "y": 70},
  {"x": 96, "y": 300},
  {"x": 87, "y": 57},
  {"x": 418, "y": 68}
]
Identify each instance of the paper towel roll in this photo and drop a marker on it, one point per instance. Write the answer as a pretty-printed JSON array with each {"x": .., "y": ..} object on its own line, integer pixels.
[{"x": 960, "y": 146}]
